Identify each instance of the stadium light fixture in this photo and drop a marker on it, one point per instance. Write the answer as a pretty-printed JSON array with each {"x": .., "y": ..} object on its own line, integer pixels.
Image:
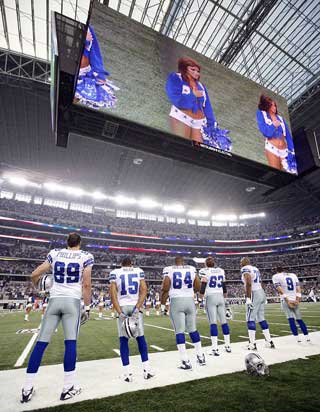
[
  {"x": 148, "y": 203},
  {"x": 176, "y": 208},
  {"x": 74, "y": 191},
  {"x": 225, "y": 217},
  {"x": 198, "y": 213},
  {"x": 252, "y": 215},
  {"x": 124, "y": 200},
  {"x": 53, "y": 187},
  {"x": 20, "y": 181},
  {"x": 98, "y": 195}
]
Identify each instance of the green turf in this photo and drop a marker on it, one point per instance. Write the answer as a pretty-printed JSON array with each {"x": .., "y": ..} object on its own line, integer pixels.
[
  {"x": 98, "y": 338},
  {"x": 291, "y": 386}
]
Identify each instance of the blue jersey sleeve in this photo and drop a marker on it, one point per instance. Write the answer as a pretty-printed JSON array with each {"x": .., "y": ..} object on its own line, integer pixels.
[
  {"x": 208, "y": 111},
  {"x": 268, "y": 131},
  {"x": 174, "y": 86}
]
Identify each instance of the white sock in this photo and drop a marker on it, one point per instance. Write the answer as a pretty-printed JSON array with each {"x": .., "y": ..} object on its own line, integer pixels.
[
  {"x": 29, "y": 381},
  {"x": 214, "y": 341},
  {"x": 100, "y": 314},
  {"x": 147, "y": 313},
  {"x": 112, "y": 314},
  {"x": 198, "y": 348},
  {"x": 252, "y": 335},
  {"x": 126, "y": 370},
  {"x": 146, "y": 366},
  {"x": 226, "y": 340},
  {"x": 68, "y": 381},
  {"x": 182, "y": 351},
  {"x": 266, "y": 334},
  {"x": 26, "y": 317},
  {"x": 158, "y": 313}
]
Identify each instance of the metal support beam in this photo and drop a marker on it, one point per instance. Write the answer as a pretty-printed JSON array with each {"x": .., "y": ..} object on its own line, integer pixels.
[
  {"x": 17, "y": 65},
  {"x": 4, "y": 22},
  {"x": 170, "y": 16},
  {"x": 304, "y": 97},
  {"x": 250, "y": 25}
]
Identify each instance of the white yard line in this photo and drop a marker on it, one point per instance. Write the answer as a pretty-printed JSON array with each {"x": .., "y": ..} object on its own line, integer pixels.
[
  {"x": 189, "y": 343},
  {"x": 243, "y": 337},
  {"x": 272, "y": 334},
  {"x": 116, "y": 351},
  {"x": 157, "y": 348},
  {"x": 26, "y": 350}
]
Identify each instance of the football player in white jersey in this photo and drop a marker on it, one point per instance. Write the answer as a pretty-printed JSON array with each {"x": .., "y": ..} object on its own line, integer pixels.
[
  {"x": 128, "y": 291},
  {"x": 288, "y": 287},
  {"x": 255, "y": 301},
  {"x": 214, "y": 288},
  {"x": 71, "y": 278},
  {"x": 28, "y": 308},
  {"x": 179, "y": 282}
]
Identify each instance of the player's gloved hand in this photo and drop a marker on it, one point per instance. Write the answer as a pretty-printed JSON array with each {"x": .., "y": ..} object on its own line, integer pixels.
[
  {"x": 135, "y": 313},
  {"x": 85, "y": 315},
  {"x": 163, "y": 310},
  {"x": 249, "y": 303},
  {"x": 122, "y": 316},
  {"x": 229, "y": 314}
]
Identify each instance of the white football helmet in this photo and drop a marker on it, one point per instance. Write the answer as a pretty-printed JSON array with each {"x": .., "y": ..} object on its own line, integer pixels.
[
  {"x": 45, "y": 283},
  {"x": 130, "y": 327},
  {"x": 255, "y": 365}
]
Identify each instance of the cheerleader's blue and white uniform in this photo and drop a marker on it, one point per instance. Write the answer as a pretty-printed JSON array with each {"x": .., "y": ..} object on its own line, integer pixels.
[
  {"x": 182, "y": 98},
  {"x": 93, "y": 87},
  {"x": 269, "y": 131}
]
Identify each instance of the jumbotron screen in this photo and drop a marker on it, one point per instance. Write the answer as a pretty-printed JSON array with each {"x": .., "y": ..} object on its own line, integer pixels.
[{"x": 137, "y": 74}]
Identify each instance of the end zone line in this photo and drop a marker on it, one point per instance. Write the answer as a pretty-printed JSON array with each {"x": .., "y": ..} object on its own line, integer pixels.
[{"x": 26, "y": 350}]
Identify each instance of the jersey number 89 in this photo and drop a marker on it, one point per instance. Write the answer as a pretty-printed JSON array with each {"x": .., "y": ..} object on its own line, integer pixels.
[{"x": 72, "y": 275}]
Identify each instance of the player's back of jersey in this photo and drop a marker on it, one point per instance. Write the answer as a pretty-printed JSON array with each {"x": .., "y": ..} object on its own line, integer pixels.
[
  {"x": 288, "y": 283},
  {"x": 255, "y": 275},
  {"x": 67, "y": 269},
  {"x": 215, "y": 277},
  {"x": 182, "y": 278},
  {"x": 127, "y": 279}
]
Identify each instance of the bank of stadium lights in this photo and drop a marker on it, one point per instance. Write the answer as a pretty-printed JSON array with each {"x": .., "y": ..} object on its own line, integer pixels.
[
  {"x": 252, "y": 215},
  {"x": 198, "y": 213},
  {"x": 224, "y": 217},
  {"x": 147, "y": 203},
  {"x": 175, "y": 208},
  {"x": 20, "y": 181},
  {"x": 124, "y": 200}
]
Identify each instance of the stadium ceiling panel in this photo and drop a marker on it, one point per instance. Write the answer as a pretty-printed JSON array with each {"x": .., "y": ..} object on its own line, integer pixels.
[{"x": 273, "y": 42}]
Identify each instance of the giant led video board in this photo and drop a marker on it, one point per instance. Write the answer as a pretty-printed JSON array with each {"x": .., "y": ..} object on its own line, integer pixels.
[{"x": 137, "y": 74}]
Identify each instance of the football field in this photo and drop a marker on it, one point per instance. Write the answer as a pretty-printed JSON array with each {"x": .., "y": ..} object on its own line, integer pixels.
[{"x": 294, "y": 380}]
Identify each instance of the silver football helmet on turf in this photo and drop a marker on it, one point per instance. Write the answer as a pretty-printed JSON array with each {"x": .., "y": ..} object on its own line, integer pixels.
[
  {"x": 130, "y": 327},
  {"x": 255, "y": 365}
]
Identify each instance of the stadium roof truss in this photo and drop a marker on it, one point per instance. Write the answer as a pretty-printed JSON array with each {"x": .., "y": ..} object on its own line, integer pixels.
[{"x": 273, "y": 42}]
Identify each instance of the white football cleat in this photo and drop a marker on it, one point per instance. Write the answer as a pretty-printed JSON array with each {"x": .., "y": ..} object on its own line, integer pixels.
[
  {"x": 252, "y": 346},
  {"x": 70, "y": 393},
  {"x": 127, "y": 377},
  {"x": 185, "y": 365},
  {"x": 26, "y": 395},
  {"x": 148, "y": 374},
  {"x": 228, "y": 349},
  {"x": 215, "y": 352},
  {"x": 201, "y": 360}
]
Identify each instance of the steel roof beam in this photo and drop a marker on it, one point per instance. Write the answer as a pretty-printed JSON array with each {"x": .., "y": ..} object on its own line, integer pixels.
[
  {"x": 4, "y": 22},
  {"x": 259, "y": 13}
]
